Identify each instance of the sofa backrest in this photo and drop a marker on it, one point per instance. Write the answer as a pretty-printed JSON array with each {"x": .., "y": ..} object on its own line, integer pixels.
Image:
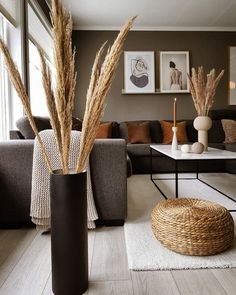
[
  {"x": 223, "y": 114},
  {"x": 25, "y": 130},
  {"x": 215, "y": 134}
]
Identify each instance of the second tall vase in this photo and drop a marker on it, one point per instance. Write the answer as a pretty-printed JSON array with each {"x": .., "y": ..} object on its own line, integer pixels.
[
  {"x": 69, "y": 236},
  {"x": 203, "y": 124}
]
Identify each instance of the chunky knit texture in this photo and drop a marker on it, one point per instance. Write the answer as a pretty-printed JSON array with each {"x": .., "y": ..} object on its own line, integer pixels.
[{"x": 40, "y": 194}]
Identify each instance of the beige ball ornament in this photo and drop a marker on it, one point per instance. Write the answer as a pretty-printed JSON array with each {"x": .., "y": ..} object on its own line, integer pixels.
[
  {"x": 185, "y": 148},
  {"x": 197, "y": 148}
]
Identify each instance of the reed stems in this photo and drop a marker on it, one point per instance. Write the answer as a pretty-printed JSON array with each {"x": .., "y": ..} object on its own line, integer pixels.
[{"x": 203, "y": 93}]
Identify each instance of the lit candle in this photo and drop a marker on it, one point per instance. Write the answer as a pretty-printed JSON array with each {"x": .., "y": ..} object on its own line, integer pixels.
[{"x": 175, "y": 107}]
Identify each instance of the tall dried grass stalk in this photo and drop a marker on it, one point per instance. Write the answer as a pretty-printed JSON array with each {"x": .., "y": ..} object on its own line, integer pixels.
[
  {"x": 64, "y": 58},
  {"x": 61, "y": 100},
  {"x": 203, "y": 93},
  {"x": 19, "y": 87},
  {"x": 51, "y": 104},
  {"x": 100, "y": 82}
]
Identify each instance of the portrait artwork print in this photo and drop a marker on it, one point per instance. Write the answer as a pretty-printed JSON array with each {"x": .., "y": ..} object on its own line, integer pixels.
[
  {"x": 174, "y": 66},
  {"x": 139, "y": 72}
]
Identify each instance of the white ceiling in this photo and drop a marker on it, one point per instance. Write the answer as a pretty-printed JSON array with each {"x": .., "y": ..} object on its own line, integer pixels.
[{"x": 154, "y": 14}]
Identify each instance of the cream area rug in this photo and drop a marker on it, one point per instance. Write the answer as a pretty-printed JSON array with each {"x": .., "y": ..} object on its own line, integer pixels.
[{"x": 144, "y": 251}]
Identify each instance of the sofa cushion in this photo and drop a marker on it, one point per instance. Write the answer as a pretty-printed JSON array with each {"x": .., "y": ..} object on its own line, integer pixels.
[
  {"x": 168, "y": 133},
  {"x": 115, "y": 130},
  {"x": 140, "y": 150},
  {"x": 220, "y": 146},
  {"x": 191, "y": 131},
  {"x": 76, "y": 124},
  {"x": 42, "y": 123},
  {"x": 229, "y": 127},
  {"x": 139, "y": 132},
  {"x": 104, "y": 130},
  {"x": 25, "y": 128},
  {"x": 230, "y": 147},
  {"x": 216, "y": 133},
  {"x": 155, "y": 130}
]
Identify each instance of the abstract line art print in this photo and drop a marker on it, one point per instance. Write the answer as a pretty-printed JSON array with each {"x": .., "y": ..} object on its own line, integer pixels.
[{"x": 139, "y": 73}]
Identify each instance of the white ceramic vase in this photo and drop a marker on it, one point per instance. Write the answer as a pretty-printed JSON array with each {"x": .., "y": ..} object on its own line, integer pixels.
[{"x": 202, "y": 124}]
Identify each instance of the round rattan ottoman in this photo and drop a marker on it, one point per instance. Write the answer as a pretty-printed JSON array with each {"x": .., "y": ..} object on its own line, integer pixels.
[{"x": 193, "y": 226}]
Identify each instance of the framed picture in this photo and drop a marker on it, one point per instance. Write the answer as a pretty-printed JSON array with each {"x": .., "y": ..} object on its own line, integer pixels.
[
  {"x": 174, "y": 66},
  {"x": 139, "y": 72}
]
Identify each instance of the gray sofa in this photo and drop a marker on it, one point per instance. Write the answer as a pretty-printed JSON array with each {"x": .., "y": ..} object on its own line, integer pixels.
[
  {"x": 108, "y": 172},
  {"x": 139, "y": 153}
]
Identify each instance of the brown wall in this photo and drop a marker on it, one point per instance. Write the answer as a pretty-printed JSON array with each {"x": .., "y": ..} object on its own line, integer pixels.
[{"x": 209, "y": 49}]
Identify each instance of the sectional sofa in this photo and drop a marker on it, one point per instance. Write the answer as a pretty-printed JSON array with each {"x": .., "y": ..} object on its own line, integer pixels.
[
  {"x": 139, "y": 153},
  {"x": 111, "y": 161}
]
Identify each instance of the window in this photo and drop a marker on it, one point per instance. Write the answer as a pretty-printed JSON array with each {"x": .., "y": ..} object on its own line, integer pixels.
[
  {"x": 39, "y": 36},
  {"x": 4, "y": 94},
  {"x": 14, "y": 16},
  {"x": 11, "y": 32},
  {"x": 37, "y": 95}
]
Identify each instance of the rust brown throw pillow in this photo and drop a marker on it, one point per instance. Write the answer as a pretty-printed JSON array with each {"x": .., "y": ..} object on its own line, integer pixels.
[
  {"x": 104, "y": 130},
  {"x": 168, "y": 133},
  {"x": 139, "y": 133}
]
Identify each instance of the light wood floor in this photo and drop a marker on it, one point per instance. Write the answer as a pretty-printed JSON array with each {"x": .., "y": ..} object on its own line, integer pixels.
[{"x": 25, "y": 268}]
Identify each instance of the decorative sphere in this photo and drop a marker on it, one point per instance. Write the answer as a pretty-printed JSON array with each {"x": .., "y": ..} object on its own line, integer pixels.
[
  {"x": 185, "y": 148},
  {"x": 197, "y": 148}
]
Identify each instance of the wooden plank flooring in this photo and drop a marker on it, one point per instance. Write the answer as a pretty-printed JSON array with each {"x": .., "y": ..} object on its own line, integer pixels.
[{"x": 25, "y": 269}]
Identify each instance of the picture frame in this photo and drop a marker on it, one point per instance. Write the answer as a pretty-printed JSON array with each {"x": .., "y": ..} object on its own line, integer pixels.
[
  {"x": 174, "y": 66},
  {"x": 139, "y": 72}
]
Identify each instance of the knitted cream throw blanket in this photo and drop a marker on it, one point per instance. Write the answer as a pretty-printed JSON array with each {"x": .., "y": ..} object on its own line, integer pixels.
[{"x": 40, "y": 194}]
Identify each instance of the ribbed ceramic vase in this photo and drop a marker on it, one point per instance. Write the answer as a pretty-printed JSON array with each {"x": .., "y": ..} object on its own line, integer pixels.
[
  {"x": 69, "y": 236},
  {"x": 202, "y": 124}
]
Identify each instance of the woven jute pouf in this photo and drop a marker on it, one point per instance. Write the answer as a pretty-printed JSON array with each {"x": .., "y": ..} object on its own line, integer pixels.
[{"x": 193, "y": 226}]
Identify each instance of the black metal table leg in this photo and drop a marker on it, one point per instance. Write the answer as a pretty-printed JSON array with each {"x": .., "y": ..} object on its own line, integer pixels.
[
  {"x": 151, "y": 175},
  {"x": 151, "y": 163},
  {"x": 176, "y": 180},
  {"x": 197, "y": 169}
]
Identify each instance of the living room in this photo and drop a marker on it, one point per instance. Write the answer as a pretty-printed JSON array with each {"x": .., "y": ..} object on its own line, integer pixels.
[{"x": 125, "y": 253}]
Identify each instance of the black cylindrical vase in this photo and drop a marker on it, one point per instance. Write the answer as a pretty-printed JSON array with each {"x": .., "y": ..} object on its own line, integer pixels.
[{"x": 69, "y": 233}]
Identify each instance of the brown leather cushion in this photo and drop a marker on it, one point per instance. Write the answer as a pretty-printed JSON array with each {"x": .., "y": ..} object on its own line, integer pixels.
[
  {"x": 168, "y": 133},
  {"x": 139, "y": 133},
  {"x": 229, "y": 127},
  {"x": 104, "y": 130}
]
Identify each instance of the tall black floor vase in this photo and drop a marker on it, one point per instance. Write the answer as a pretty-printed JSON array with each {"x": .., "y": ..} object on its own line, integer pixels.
[{"x": 69, "y": 236}]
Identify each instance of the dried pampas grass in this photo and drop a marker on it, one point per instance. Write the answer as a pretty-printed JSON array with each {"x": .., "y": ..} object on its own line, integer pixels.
[
  {"x": 100, "y": 83},
  {"x": 203, "y": 93},
  {"x": 19, "y": 87},
  {"x": 60, "y": 101}
]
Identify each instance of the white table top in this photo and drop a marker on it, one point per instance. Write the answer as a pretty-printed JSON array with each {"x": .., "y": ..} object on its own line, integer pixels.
[{"x": 211, "y": 154}]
